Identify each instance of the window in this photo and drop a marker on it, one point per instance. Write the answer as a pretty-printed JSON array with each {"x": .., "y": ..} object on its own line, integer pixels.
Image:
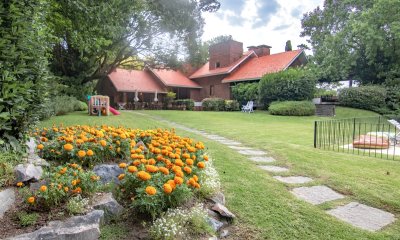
[
  {"x": 212, "y": 90},
  {"x": 217, "y": 64}
]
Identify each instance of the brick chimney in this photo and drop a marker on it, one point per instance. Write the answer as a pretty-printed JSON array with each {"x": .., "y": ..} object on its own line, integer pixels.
[
  {"x": 225, "y": 53},
  {"x": 261, "y": 50}
]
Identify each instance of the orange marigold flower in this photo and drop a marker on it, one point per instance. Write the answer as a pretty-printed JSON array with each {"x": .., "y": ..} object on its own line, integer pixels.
[
  {"x": 189, "y": 161},
  {"x": 74, "y": 182},
  {"x": 43, "y": 188},
  {"x": 205, "y": 157},
  {"x": 136, "y": 162},
  {"x": 201, "y": 165},
  {"x": 90, "y": 153},
  {"x": 40, "y": 146},
  {"x": 164, "y": 170},
  {"x": 121, "y": 176},
  {"x": 176, "y": 169},
  {"x": 152, "y": 161},
  {"x": 31, "y": 200},
  {"x": 192, "y": 181},
  {"x": 103, "y": 143},
  {"x": 132, "y": 169},
  {"x": 77, "y": 190},
  {"x": 172, "y": 184},
  {"x": 74, "y": 165},
  {"x": 66, "y": 189},
  {"x": 68, "y": 147},
  {"x": 167, "y": 188},
  {"x": 81, "y": 153},
  {"x": 63, "y": 170},
  {"x": 178, "y": 180},
  {"x": 151, "y": 190},
  {"x": 197, "y": 185},
  {"x": 151, "y": 168},
  {"x": 122, "y": 165},
  {"x": 196, "y": 178},
  {"x": 179, "y": 162},
  {"x": 188, "y": 170},
  {"x": 179, "y": 174},
  {"x": 20, "y": 184},
  {"x": 143, "y": 175}
]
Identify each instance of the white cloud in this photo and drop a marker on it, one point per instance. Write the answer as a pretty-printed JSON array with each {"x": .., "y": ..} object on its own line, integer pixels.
[{"x": 282, "y": 24}]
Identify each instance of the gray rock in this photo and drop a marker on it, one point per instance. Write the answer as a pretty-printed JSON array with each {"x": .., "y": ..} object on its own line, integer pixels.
[
  {"x": 219, "y": 197},
  {"x": 26, "y": 172},
  {"x": 109, "y": 205},
  {"x": 212, "y": 214},
  {"x": 37, "y": 161},
  {"x": 239, "y": 148},
  {"x": 215, "y": 224},
  {"x": 141, "y": 143},
  {"x": 36, "y": 185},
  {"x": 363, "y": 216},
  {"x": 229, "y": 142},
  {"x": 85, "y": 227},
  {"x": 213, "y": 238},
  {"x": 293, "y": 179},
  {"x": 7, "y": 199},
  {"x": 252, "y": 152},
  {"x": 224, "y": 233},
  {"x": 262, "y": 159},
  {"x": 108, "y": 172},
  {"x": 274, "y": 168},
  {"x": 316, "y": 194},
  {"x": 31, "y": 145},
  {"x": 221, "y": 209}
]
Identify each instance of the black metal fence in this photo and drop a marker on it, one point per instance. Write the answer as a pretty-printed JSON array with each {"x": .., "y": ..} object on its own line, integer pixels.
[{"x": 373, "y": 136}]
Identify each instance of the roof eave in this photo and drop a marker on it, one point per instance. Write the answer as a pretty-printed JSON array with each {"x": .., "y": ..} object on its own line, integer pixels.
[
  {"x": 294, "y": 59},
  {"x": 183, "y": 86},
  {"x": 240, "y": 80},
  {"x": 209, "y": 75}
]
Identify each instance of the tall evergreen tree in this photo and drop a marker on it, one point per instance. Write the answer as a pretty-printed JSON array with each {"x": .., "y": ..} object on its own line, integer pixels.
[{"x": 288, "y": 46}]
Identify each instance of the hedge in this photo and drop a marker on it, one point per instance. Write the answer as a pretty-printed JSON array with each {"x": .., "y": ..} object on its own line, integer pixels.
[
  {"x": 189, "y": 103},
  {"x": 244, "y": 92},
  {"x": 213, "y": 104},
  {"x": 365, "y": 97},
  {"x": 292, "y": 108},
  {"x": 232, "y": 105}
]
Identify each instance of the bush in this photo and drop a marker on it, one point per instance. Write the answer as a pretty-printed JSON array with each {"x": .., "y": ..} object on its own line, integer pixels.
[
  {"x": 213, "y": 104},
  {"x": 292, "y": 108},
  {"x": 7, "y": 163},
  {"x": 365, "y": 97},
  {"x": 232, "y": 105},
  {"x": 289, "y": 85},
  {"x": 80, "y": 106},
  {"x": 189, "y": 103},
  {"x": 244, "y": 92},
  {"x": 27, "y": 219}
]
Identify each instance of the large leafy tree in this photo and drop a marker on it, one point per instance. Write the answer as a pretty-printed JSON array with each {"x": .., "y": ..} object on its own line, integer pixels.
[
  {"x": 356, "y": 39},
  {"x": 96, "y": 36}
]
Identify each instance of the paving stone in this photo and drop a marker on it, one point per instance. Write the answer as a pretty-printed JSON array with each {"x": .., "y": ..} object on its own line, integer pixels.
[
  {"x": 239, "y": 148},
  {"x": 293, "y": 179},
  {"x": 262, "y": 159},
  {"x": 316, "y": 194},
  {"x": 7, "y": 199},
  {"x": 274, "y": 168},
  {"x": 216, "y": 137},
  {"x": 363, "y": 216},
  {"x": 252, "y": 152},
  {"x": 229, "y": 142}
]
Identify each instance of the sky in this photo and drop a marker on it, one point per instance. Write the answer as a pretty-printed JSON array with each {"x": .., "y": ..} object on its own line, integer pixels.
[{"x": 256, "y": 22}]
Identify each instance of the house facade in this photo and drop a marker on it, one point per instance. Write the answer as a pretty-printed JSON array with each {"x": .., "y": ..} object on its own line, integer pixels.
[{"x": 227, "y": 66}]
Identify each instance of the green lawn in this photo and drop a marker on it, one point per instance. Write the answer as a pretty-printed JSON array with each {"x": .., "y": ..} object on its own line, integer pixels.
[{"x": 260, "y": 201}]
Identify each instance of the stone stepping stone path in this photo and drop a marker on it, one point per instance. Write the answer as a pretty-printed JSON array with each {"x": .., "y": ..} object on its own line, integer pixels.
[
  {"x": 274, "y": 168},
  {"x": 316, "y": 194},
  {"x": 356, "y": 214},
  {"x": 262, "y": 159},
  {"x": 293, "y": 179},
  {"x": 252, "y": 152},
  {"x": 363, "y": 216}
]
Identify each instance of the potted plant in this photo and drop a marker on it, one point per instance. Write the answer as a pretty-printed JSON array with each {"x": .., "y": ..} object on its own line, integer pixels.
[{"x": 169, "y": 99}]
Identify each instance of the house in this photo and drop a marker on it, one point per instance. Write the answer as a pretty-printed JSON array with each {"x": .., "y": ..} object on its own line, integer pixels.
[{"x": 227, "y": 66}]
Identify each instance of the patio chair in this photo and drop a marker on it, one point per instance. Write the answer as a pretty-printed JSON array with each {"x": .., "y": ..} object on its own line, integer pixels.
[
  {"x": 397, "y": 125},
  {"x": 248, "y": 107}
]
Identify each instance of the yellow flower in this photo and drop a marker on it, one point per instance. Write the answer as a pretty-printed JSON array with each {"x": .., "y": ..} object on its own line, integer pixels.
[
  {"x": 178, "y": 180},
  {"x": 68, "y": 147},
  {"x": 121, "y": 176},
  {"x": 40, "y": 146},
  {"x": 103, "y": 143},
  {"x": 122, "y": 165},
  {"x": 151, "y": 190},
  {"x": 201, "y": 165},
  {"x": 20, "y": 184},
  {"x": 89, "y": 153},
  {"x": 143, "y": 175},
  {"x": 81, "y": 153},
  {"x": 132, "y": 169},
  {"x": 31, "y": 200},
  {"x": 167, "y": 188},
  {"x": 43, "y": 188}
]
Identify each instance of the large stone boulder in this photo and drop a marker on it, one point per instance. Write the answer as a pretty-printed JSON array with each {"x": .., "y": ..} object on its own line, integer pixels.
[
  {"x": 112, "y": 209},
  {"x": 108, "y": 172},
  {"x": 215, "y": 224},
  {"x": 85, "y": 227},
  {"x": 7, "y": 199},
  {"x": 37, "y": 161},
  {"x": 27, "y": 172},
  {"x": 223, "y": 211}
]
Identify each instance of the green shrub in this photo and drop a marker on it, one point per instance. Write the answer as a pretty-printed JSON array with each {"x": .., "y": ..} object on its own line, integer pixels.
[
  {"x": 213, "y": 104},
  {"x": 292, "y": 108},
  {"x": 27, "y": 219},
  {"x": 63, "y": 105},
  {"x": 320, "y": 92},
  {"x": 77, "y": 205},
  {"x": 289, "y": 85},
  {"x": 7, "y": 163},
  {"x": 365, "y": 97},
  {"x": 80, "y": 106},
  {"x": 244, "y": 92},
  {"x": 189, "y": 103},
  {"x": 232, "y": 105}
]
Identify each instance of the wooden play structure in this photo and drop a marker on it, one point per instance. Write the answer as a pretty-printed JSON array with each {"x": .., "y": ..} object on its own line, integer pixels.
[{"x": 99, "y": 105}]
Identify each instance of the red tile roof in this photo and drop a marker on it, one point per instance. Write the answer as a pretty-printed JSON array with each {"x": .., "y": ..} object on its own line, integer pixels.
[
  {"x": 173, "y": 78},
  {"x": 256, "y": 67},
  {"x": 133, "y": 80},
  {"x": 205, "y": 71}
]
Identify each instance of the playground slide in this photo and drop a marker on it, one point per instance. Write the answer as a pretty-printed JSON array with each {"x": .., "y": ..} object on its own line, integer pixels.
[{"x": 114, "y": 111}]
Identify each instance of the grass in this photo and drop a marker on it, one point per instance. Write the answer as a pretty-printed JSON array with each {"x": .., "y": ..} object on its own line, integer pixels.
[{"x": 260, "y": 201}]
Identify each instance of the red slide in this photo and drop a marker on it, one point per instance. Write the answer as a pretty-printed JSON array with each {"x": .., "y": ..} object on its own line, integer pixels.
[{"x": 113, "y": 111}]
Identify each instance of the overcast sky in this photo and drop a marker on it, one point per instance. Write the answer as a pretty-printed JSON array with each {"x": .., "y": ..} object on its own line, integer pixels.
[{"x": 256, "y": 22}]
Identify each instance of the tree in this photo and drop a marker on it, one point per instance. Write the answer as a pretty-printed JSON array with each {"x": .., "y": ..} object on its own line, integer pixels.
[
  {"x": 355, "y": 39},
  {"x": 94, "y": 37},
  {"x": 288, "y": 46}
]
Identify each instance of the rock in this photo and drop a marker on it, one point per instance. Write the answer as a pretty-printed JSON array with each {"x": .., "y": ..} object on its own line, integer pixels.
[
  {"x": 31, "y": 145},
  {"x": 108, "y": 172},
  {"x": 26, "y": 172},
  {"x": 224, "y": 233},
  {"x": 214, "y": 223},
  {"x": 109, "y": 205},
  {"x": 37, "y": 161},
  {"x": 36, "y": 185},
  {"x": 213, "y": 238},
  {"x": 212, "y": 214},
  {"x": 218, "y": 198},
  {"x": 221, "y": 209},
  {"x": 7, "y": 199},
  {"x": 316, "y": 194},
  {"x": 85, "y": 227},
  {"x": 141, "y": 143}
]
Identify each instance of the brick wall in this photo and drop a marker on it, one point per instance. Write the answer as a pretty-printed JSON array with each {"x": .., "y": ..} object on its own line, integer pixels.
[
  {"x": 213, "y": 83},
  {"x": 225, "y": 53}
]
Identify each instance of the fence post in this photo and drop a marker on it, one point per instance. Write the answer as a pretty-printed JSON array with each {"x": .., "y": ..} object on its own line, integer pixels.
[
  {"x": 315, "y": 134},
  {"x": 354, "y": 128}
]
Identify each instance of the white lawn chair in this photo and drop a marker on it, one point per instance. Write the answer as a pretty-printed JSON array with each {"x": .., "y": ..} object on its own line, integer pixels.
[
  {"x": 397, "y": 125},
  {"x": 248, "y": 107}
]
